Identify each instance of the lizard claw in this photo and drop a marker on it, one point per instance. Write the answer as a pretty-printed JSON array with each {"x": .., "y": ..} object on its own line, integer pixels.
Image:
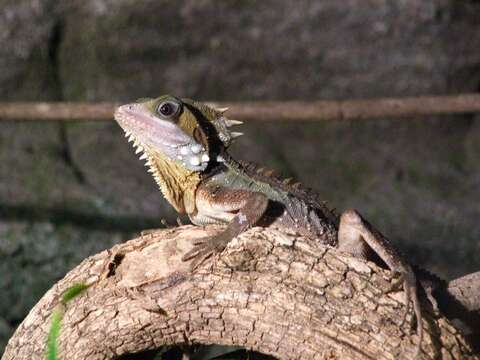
[
  {"x": 200, "y": 241},
  {"x": 201, "y": 246},
  {"x": 410, "y": 289},
  {"x": 204, "y": 248},
  {"x": 199, "y": 255},
  {"x": 408, "y": 297}
]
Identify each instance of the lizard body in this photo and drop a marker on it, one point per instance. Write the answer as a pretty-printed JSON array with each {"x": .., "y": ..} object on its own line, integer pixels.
[
  {"x": 185, "y": 144},
  {"x": 288, "y": 206}
]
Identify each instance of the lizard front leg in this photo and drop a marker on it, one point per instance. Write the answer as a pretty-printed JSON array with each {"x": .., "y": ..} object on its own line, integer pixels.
[
  {"x": 357, "y": 236},
  {"x": 241, "y": 209}
]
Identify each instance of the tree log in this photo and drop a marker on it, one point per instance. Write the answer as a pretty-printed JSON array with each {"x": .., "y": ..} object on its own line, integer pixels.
[{"x": 270, "y": 291}]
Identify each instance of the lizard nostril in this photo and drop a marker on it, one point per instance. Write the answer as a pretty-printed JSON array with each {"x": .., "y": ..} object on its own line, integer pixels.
[{"x": 130, "y": 107}]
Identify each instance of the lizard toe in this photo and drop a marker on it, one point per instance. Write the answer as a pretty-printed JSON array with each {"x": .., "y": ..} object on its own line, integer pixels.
[
  {"x": 410, "y": 289},
  {"x": 200, "y": 258},
  {"x": 192, "y": 253}
]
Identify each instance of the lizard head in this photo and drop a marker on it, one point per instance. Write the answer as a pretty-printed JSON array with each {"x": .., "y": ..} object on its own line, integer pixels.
[
  {"x": 179, "y": 139},
  {"x": 184, "y": 131}
]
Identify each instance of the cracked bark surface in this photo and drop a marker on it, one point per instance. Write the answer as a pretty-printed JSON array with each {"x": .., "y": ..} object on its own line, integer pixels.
[{"x": 270, "y": 291}]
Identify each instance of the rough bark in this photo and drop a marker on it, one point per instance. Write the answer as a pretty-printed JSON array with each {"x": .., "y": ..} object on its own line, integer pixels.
[
  {"x": 467, "y": 291},
  {"x": 268, "y": 110},
  {"x": 270, "y": 291}
]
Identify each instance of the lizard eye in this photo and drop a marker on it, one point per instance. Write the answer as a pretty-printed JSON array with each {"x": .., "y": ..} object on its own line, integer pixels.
[{"x": 168, "y": 109}]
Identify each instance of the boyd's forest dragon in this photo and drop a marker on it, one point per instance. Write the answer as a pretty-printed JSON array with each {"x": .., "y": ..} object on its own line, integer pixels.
[{"x": 185, "y": 143}]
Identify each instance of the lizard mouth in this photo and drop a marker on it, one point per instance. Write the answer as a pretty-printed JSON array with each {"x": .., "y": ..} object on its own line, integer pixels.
[
  {"x": 150, "y": 134},
  {"x": 148, "y": 129}
]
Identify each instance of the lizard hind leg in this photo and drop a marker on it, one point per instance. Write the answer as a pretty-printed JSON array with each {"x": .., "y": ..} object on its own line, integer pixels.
[{"x": 358, "y": 237}]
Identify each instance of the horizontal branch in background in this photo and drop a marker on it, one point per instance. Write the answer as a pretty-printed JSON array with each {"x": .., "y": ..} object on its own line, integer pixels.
[{"x": 266, "y": 110}]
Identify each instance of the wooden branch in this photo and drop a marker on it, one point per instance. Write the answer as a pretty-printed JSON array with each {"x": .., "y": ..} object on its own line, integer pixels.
[
  {"x": 268, "y": 110},
  {"x": 467, "y": 291},
  {"x": 56, "y": 111},
  {"x": 269, "y": 291}
]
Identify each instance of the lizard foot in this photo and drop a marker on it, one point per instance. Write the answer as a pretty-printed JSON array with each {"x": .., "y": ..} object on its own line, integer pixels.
[
  {"x": 205, "y": 248},
  {"x": 407, "y": 281},
  {"x": 410, "y": 290}
]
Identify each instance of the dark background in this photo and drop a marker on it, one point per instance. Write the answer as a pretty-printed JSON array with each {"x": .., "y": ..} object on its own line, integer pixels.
[{"x": 70, "y": 190}]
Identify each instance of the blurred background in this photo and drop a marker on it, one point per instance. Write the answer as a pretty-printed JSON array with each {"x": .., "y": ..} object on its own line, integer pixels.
[{"x": 68, "y": 190}]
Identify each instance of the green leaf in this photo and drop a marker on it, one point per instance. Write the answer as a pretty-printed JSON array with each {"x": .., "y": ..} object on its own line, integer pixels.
[
  {"x": 57, "y": 316},
  {"x": 72, "y": 292},
  {"x": 52, "y": 349}
]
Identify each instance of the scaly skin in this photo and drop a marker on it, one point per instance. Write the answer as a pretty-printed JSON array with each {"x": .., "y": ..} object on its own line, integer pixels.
[{"x": 185, "y": 144}]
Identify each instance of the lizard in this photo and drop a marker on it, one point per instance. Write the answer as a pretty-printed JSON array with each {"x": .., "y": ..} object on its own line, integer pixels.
[{"x": 185, "y": 144}]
